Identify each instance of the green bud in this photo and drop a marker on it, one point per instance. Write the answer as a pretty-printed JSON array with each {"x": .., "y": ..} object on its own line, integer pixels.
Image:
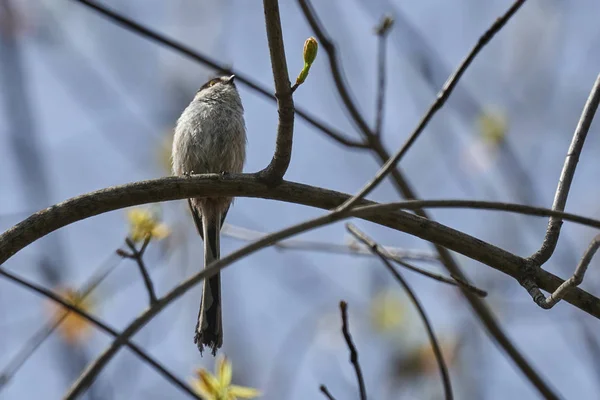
[{"x": 310, "y": 50}]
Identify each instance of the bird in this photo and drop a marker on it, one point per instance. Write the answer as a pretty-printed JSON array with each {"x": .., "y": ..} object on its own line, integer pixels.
[{"x": 210, "y": 137}]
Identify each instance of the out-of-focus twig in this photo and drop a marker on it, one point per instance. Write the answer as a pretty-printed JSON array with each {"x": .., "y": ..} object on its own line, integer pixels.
[
  {"x": 40, "y": 336},
  {"x": 353, "y": 351},
  {"x": 440, "y": 100},
  {"x": 355, "y": 247},
  {"x": 326, "y": 393},
  {"x": 382, "y": 31},
  {"x": 432, "y": 338},
  {"x": 214, "y": 64},
  {"x": 101, "y": 325}
]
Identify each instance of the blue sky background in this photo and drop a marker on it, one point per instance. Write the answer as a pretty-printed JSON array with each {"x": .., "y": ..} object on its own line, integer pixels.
[{"x": 103, "y": 102}]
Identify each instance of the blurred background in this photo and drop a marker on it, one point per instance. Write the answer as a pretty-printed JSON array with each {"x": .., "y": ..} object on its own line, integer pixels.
[{"x": 86, "y": 104}]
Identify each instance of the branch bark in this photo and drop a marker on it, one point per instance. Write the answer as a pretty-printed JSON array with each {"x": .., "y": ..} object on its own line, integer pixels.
[
  {"x": 566, "y": 176},
  {"x": 243, "y": 185},
  {"x": 274, "y": 172},
  {"x": 409, "y": 221}
]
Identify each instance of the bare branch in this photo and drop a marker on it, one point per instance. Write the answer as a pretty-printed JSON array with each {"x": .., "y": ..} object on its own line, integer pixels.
[
  {"x": 454, "y": 281},
  {"x": 442, "y": 96},
  {"x": 138, "y": 257},
  {"x": 353, "y": 352},
  {"x": 395, "y": 254},
  {"x": 138, "y": 351},
  {"x": 573, "y": 281},
  {"x": 324, "y": 390},
  {"x": 214, "y": 64},
  {"x": 244, "y": 185},
  {"x": 418, "y": 226},
  {"x": 40, "y": 336},
  {"x": 430, "y": 333},
  {"x": 566, "y": 176},
  {"x": 274, "y": 172},
  {"x": 382, "y": 31},
  {"x": 237, "y": 232}
]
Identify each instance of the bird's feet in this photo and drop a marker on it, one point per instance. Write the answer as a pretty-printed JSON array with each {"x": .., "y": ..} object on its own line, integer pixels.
[{"x": 188, "y": 174}]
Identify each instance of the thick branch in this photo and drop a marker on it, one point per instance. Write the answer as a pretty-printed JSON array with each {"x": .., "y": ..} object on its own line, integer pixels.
[
  {"x": 375, "y": 248},
  {"x": 566, "y": 176},
  {"x": 243, "y": 185},
  {"x": 274, "y": 172}
]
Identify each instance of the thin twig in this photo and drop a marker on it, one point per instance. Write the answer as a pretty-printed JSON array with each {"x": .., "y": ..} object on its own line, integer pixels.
[
  {"x": 214, "y": 64},
  {"x": 245, "y": 234},
  {"x": 40, "y": 336},
  {"x": 440, "y": 100},
  {"x": 101, "y": 325},
  {"x": 274, "y": 172},
  {"x": 138, "y": 257},
  {"x": 450, "y": 281},
  {"x": 353, "y": 351},
  {"x": 573, "y": 281},
  {"x": 430, "y": 333},
  {"x": 395, "y": 254},
  {"x": 324, "y": 390},
  {"x": 566, "y": 176},
  {"x": 382, "y": 31}
]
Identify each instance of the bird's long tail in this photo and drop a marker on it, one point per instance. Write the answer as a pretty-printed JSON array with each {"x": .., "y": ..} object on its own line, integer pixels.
[{"x": 209, "y": 330}]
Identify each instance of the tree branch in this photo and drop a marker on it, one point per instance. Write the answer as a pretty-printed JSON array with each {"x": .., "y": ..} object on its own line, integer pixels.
[
  {"x": 101, "y": 325},
  {"x": 382, "y": 31},
  {"x": 353, "y": 352},
  {"x": 566, "y": 176},
  {"x": 274, "y": 172},
  {"x": 573, "y": 281},
  {"x": 325, "y": 392},
  {"x": 375, "y": 248},
  {"x": 245, "y": 234},
  {"x": 244, "y": 185},
  {"x": 138, "y": 257},
  {"x": 441, "y": 99},
  {"x": 418, "y": 226},
  {"x": 214, "y": 64}
]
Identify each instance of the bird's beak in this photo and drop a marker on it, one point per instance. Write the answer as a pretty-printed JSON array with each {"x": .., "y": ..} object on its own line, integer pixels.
[{"x": 230, "y": 79}]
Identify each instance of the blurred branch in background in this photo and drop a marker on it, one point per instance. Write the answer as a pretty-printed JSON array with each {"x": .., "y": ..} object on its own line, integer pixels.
[
  {"x": 101, "y": 325},
  {"x": 353, "y": 352},
  {"x": 353, "y": 247},
  {"x": 430, "y": 333},
  {"x": 39, "y": 337}
]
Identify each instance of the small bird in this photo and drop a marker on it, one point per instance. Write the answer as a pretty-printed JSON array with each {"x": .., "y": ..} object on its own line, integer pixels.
[{"x": 210, "y": 137}]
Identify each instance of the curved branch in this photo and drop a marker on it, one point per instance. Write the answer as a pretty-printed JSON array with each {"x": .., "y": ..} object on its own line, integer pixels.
[
  {"x": 245, "y": 185},
  {"x": 418, "y": 226},
  {"x": 276, "y": 169}
]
